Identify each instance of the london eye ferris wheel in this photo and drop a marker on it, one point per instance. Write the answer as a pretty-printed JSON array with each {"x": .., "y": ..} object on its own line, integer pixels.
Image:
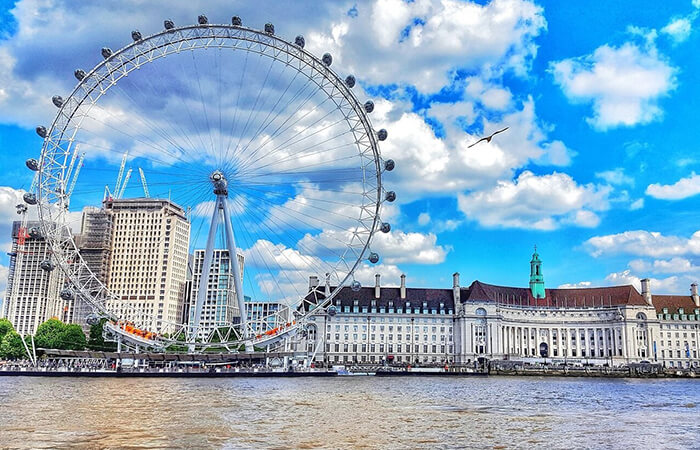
[{"x": 267, "y": 151}]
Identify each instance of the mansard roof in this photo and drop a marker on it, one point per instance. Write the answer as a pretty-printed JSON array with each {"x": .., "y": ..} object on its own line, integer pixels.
[
  {"x": 577, "y": 297},
  {"x": 415, "y": 296},
  {"x": 673, "y": 302}
]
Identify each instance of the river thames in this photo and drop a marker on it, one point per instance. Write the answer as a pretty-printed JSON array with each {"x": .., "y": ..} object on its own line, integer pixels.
[{"x": 352, "y": 412}]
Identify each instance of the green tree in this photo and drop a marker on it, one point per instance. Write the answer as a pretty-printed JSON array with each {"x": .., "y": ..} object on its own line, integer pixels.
[
  {"x": 50, "y": 334},
  {"x": 73, "y": 338},
  {"x": 57, "y": 335},
  {"x": 5, "y": 327},
  {"x": 96, "y": 340},
  {"x": 11, "y": 346}
]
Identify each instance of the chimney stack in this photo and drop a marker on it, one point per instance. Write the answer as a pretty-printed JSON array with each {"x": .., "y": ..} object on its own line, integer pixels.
[
  {"x": 646, "y": 293},
  {"x": 313, "y": 282},
  {"x": 403, "y": 287},
  {"x": 377, "y": 289},
  {"x": 456, "y": 288},
  {"x": 328, "y": 284},
  {"x": 694, "y": 294}
]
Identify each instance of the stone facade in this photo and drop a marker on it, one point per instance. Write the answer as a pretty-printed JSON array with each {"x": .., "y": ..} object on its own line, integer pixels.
[{"x": 609, "y": 325}]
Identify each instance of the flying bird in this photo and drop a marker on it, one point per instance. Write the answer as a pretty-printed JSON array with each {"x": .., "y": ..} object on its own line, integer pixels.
[{"x": 488, "y": 138}]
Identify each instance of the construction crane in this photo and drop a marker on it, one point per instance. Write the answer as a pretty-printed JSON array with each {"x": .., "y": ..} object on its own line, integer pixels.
[
  {"x": 144, "y": 184},
  {"x": 121, "y": 174},
  {"x": 126, "y": 180},
  {"x": 69, "y": 170},
  {"x": 75, "y": 175}
]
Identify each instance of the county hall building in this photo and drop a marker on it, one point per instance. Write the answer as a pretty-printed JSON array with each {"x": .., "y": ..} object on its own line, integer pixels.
[{"x": 606, "y": 325}]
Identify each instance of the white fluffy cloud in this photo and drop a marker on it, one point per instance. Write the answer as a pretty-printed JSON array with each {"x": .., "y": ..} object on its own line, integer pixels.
[
  {"x": 616, "y": 176},
  {"x": 393, "y": 248},
  {"x": 643, "y": 243},
  {"x": 672, "y": 284},
  {"x": 683, "y": 188},
  {"x": 678, "y": 29},
  {"x": 674, "y": 265},
  {"x": 623, "y": 83},
  {"x": 446, "y": 165},
  {"x": 436, "y": 36},
  {"x": 539, "y": 202}
]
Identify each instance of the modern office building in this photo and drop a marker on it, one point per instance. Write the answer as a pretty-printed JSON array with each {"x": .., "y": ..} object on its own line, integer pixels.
[
  {"x": 266, "y": 315},
  {"x": 220, "y": 308},
  {"x": 147, "y": 261},
  {"x": 606, "y": 325},
  {"x": 32, "y": 293}
]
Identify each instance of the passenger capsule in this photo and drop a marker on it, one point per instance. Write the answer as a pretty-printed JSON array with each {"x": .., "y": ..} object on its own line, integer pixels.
[
  {"x": 41, "y": 131},
  {"x": 47, "y": 265},
  {"x": 57, "y": 101},
  {"x": 92, "y": 319},
  {"x": 106, "y": 52},
  {"x": 29, "y": 198},
  {"x": 269, "y": 28},
  {"x": 382, "y": 134},
  {"x": 332, "y": 310},
  {"x": 390, "y": 196},
  {"x": 389, "y": 165},
  {"x": 299, "y": 40},
  {"x": 369, "y": 106},
  {"x": 67, "y": 294},
  {"x": 35, "y": 233},
  {"x": 236, "y": 21},
  {"x": 327, "y": 59},
  {"x": 32, "y": 164},
  {"x": 168, "y": 24},
  {"x": 374, "y": 258},
  {"x": 356, "y": 286},
  {"x": 202, "y": 20},
  {"x": 136, "y": 35},
  {"x": 385, "y": 227},
  {"x": 79, "y": 74},
  {"x": 350, "y": 81}
]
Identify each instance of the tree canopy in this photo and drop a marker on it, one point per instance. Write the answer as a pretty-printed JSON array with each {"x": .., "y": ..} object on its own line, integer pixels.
[
  {"x": 57, "y": 335},
  {"x": 11, "y": 346}
]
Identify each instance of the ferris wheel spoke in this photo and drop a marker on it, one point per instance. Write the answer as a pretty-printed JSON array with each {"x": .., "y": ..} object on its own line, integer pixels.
[
  {"x": 296, "y": 95},
  {"x": 246, "y": 162},
  {"x": 290, "y": 222},
  {"x": 176, "y": 130},
  {"x": 253, "y": 109},
  {"x": 204, "y": 105},
  {"x": 272, "y": 237},
  {"x": 288, "y": 122},
  {"x": 266, "y": 121}
]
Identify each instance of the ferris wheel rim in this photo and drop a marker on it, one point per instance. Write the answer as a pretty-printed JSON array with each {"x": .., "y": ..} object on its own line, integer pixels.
[{"x": 312, "y": 62}]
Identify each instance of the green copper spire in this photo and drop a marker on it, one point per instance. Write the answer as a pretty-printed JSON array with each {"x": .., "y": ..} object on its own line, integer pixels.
[{"x": 536, "y": 277}]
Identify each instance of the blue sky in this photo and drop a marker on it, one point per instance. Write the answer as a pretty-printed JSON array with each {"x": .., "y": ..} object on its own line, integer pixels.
[{"x": 598, "y": 168}]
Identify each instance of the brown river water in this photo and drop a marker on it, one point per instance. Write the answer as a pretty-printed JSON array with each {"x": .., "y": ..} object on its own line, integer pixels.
[{"x": 349, "y": 412}]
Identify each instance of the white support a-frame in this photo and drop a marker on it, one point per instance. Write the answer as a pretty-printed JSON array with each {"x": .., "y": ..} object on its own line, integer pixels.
[{"x": 222, "y": 213}]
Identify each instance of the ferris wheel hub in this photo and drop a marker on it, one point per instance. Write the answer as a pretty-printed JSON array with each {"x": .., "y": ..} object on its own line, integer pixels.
[{"x": 220, "y": 183}]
